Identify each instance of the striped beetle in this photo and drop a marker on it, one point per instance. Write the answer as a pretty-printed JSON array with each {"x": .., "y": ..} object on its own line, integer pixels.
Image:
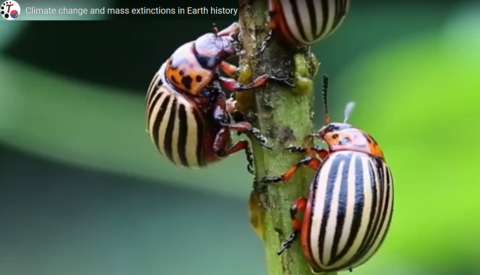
[
  {"x": 304, "y": 22},
  {"x": 188, "y": 115},
  {"x": 350, "y": 204}
]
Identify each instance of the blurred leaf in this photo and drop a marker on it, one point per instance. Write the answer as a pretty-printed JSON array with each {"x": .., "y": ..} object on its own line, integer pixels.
[
  {"x": 96, "y": 127},
  {"x": 419, "y": 99},
  {"x": 463, "y": 34},
  {"x": 10, "y": 30},
  {"x": 362, "y": 27}
]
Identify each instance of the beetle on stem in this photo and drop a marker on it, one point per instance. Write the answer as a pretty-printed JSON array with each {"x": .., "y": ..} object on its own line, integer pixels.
[
  {"x": 349, "y": 208},
  {"x": 188, "y": 114}
]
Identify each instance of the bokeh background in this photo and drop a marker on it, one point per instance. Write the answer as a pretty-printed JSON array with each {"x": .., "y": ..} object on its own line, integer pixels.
[{"x": 83, "y": 191}]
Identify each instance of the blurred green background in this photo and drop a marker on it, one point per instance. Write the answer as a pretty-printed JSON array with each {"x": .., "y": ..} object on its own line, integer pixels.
[{"x": 83, "y": 191}]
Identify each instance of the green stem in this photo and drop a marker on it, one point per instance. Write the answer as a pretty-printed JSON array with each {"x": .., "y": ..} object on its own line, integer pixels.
[{"x": 286, "y": 119}]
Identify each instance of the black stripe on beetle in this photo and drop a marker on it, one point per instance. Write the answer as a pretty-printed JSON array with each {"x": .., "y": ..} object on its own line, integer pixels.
[
  {"x": 172, "y": 118},
  {"x": 200, "y": 133},
  {"x": 182, "y": 135},
  {"x": 158, "y": 120}
]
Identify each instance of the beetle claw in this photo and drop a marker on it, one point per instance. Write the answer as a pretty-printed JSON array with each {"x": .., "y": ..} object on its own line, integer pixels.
[
  {"x": 267, "y": 39},
  {"x": 287, "y": 243},
  {"x": 294, "y": 149},
  {"x": 261, "y": 139},
  {"x": 284, "y": 80},
  {"x": 273, "y": 179}
]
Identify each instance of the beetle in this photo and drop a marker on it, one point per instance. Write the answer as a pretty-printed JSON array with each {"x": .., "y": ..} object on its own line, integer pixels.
[
  {"x": 305, "y": 22},
  {"x": 349, "y": 208},
  {"x": 187, "y": 112}
]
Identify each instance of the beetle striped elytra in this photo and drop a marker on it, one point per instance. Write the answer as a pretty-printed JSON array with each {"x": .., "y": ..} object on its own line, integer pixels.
[
  {"x": 188, "y": 115},
  {"x": 349, "y": 209},
  {"x": 304, "y": 22}
]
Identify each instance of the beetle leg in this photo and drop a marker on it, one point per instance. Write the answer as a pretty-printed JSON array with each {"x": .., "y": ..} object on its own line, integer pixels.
[
  {"x": 234, "y": 112},
  {"x": 220, "y": 115},
  {"x": 265, "y": 42},
  {"x": 229, "y": 69},
  {"x": 231, "y": 105},
  {"x": 221, "y": 141},
  {"x": 232, "y": 85},
  {"x": 299, "y": 206},
  {"x": 223, "y": 138},
  {"x": 270, "y": 14},
  {"x": 233, "y": 28},
  {"x": 246, "y": 127},
  {"x": 308, "y": 150},
  {"x": 220, "y": 108},
  {"x": 313, "y": 163}
]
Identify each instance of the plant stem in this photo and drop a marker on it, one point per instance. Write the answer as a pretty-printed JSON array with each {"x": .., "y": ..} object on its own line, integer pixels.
[{"x": 286, "y": 119}]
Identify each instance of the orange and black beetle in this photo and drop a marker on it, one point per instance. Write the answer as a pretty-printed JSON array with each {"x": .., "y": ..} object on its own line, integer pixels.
[
  {"x": 188, "y": 115},
  {"x": 349, "y": 208}
]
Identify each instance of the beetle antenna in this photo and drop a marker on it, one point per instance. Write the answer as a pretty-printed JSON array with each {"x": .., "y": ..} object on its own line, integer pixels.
[
  {"x": 215, "y": 29},
  {"x": 325, "y": 98},
  {"x": 348, "y": 110}
]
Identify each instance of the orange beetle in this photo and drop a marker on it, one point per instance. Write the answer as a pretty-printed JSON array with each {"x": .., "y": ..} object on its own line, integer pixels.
[
  {"x": 349, "y": 208},
  {"x": 188, "y": 115}
]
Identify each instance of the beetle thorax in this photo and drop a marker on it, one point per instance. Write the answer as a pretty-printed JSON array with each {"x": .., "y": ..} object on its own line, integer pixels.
[
  {"x": 186, "y": 73},
  {"x": 211, "y": 50},
  {"x": 341, "y": 138},
  {"x": 345, "y": 137}
]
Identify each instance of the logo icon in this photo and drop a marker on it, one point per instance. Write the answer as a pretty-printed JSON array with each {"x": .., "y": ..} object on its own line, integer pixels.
[{"x": 10, "y": 10}]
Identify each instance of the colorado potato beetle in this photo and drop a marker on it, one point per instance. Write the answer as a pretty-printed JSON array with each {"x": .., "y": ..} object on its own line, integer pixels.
[
  {"x": 304, "y": 22},
  {"x": 187, "y": 111},
  {"x": 349, "y": 208}
]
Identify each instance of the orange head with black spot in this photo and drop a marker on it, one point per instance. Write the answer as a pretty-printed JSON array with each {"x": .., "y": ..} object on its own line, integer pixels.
[
  {"x": 193, "y": 66},
  {"x": 341, "y": 136}
]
